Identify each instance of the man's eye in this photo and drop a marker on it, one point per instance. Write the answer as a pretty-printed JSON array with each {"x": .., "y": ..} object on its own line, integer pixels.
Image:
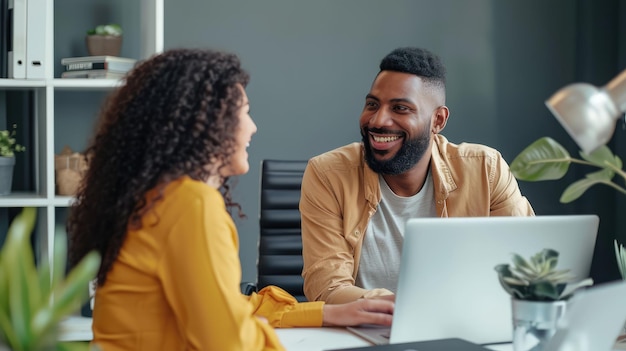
[
  {"x": 370, "y": 104},
  {"x": 400, "y": 108}
]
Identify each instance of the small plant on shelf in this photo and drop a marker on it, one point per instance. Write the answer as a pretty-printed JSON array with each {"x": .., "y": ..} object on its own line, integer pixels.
[
  {"x": 8, "y": 144},
  {"x": 538, "y": 279},
  {"x": 104, "y": 40},
  {"x": 106, "y": 29}
]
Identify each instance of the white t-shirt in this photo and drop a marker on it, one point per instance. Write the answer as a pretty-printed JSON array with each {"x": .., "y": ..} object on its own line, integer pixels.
[{"x": 379, "y": 265}]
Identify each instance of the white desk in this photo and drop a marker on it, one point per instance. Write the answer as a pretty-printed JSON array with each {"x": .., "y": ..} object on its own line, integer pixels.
[
  {"x": 294, "y": 339},
  {"x": 320, "y": 339}
]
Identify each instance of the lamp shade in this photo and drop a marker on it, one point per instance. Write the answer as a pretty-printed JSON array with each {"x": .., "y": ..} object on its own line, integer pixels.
[{"x": 589, "y": 113}]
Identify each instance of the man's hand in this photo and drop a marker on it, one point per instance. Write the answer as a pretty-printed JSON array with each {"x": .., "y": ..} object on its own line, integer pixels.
[
  {"x": 391, "y": 297},
  {"x": 362, "y": 311}
]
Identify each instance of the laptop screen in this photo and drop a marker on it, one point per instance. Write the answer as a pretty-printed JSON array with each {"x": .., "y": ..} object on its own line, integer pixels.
[{"x": 448, "y": 286}]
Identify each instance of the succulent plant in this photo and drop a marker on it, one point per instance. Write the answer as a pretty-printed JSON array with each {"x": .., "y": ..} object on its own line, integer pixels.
[{"x": 538, "y": 279}]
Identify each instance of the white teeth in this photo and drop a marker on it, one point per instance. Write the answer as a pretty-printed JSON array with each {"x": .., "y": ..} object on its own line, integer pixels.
[{"x": 385, "y": 139}]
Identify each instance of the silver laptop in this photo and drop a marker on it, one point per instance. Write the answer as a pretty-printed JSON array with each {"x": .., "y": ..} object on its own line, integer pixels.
[{"x": 448, "y": 286}]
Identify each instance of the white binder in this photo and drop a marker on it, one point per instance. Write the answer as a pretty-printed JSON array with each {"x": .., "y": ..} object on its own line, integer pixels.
[
  {"x": 17, "y": 50},
  {"x": 36, "y": 38}
]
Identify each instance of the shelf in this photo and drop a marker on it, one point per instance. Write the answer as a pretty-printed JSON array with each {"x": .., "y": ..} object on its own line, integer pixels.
[
  {"x": 85, "y": 84},
  {"x": 62, "y": 201},
  {"x": 19, "y": 199},
  {"x": 60, "y": 83},
  {"x": 15, "y": 84}
]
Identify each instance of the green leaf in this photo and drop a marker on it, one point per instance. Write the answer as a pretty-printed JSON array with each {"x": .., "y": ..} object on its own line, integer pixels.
[
  {"x": 28, "y": 316},
  {"x": 570, "y": 288},
  {"x": 544, "y": 159},
  {"x": 17, "y": 254},
  {"x": 601, "y": 157},
  {"x": 106, "y": 29},
  {"x": 545, "y": 290},
  {"x": 70, "y": 293},
  {"x": 578, "y": 188},
  {"x": 113, "y": 29},
  {"x": 520, "y": 262},
  {"x": 59, "y": 259},
  {"x": 75, "y": 346}
]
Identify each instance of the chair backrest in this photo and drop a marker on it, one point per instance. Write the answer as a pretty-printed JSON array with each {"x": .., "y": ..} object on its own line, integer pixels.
[{"x": 280, "y": 242}]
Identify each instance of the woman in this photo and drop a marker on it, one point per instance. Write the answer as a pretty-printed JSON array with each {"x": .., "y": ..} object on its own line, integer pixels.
[{"x": 154, "y": 204}]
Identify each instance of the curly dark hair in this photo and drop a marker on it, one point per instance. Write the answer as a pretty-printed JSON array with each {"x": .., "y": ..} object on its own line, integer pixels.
[
  {"x": 417, "y": 61},
  {"x": 176, "y": 113}
]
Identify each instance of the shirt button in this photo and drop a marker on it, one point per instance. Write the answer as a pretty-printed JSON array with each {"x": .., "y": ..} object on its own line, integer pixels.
[{"x": 357, "y": 233}]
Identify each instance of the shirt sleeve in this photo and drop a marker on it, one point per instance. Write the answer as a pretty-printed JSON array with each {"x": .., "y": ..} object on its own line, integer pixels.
[
  {"x": 506, "y": 197},
  {"x": 283, "y": 311},
  {"x": 328, "y": 257},
  {"x": 201, "y": 272}
]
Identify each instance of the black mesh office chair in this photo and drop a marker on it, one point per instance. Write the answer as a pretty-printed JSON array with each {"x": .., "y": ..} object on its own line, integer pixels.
[{"x": 280, "y": 243}]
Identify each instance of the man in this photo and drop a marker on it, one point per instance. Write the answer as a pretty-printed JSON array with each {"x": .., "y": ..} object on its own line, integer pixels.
[{"x": 356, "y": 199}]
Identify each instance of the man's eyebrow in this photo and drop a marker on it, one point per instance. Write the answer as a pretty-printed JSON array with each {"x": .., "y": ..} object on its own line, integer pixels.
[
  {"x": 405, "y": 100},
  {"x": 396, "y": 100}
]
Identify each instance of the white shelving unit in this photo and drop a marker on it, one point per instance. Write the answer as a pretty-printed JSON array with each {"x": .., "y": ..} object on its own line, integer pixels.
[{"x": 151, "y": 24}]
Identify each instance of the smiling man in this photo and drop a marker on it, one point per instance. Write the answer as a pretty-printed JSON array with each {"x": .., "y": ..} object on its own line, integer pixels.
[{"x": 356, "y": 199}]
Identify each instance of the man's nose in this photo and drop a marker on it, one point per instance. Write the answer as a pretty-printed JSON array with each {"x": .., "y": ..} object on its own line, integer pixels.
[{"x": 380, "y": 118}]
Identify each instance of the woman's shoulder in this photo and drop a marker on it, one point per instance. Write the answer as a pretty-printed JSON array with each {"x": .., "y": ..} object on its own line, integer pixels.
[{"x": 185, "y": 192}]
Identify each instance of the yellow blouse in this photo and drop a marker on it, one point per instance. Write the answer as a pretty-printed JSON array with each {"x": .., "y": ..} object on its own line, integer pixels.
[{"x": 175, "y": 284}]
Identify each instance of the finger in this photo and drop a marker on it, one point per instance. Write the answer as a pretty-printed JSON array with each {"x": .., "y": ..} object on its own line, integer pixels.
[
  {"x": 376, "y": 305},
  {"x": 391, "y": 298},
  {"x": 376, "y": 318}
]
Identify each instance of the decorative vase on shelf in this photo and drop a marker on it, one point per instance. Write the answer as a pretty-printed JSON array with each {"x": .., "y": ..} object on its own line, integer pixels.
[
  {"x": 104, "y": 45},
  {"x": 104, "y": 40},
  {"x": 6, "y": 174}
]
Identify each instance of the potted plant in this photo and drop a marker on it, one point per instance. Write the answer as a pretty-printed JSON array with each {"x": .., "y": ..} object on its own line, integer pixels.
[
  {"x": 34, "y": 299},
  {"x": 104, "y": 40},
  {"x": 8, "y": 148},
  {"x": 539, "y": 294},
  {"x": 546, "y": 159}
]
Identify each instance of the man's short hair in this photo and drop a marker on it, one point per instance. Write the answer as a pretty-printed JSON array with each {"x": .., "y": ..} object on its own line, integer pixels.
[{"x": 417, "y": 61}]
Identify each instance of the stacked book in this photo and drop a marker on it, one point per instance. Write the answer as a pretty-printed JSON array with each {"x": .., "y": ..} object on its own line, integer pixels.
[{"x": 96, "y": 67}]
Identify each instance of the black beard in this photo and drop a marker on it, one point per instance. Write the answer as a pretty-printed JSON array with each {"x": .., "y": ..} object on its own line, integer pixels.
[{"x": 411, "y": 151}]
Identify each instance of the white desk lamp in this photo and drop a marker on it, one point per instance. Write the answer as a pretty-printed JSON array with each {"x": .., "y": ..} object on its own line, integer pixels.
[{"x": 589, "y": 113}]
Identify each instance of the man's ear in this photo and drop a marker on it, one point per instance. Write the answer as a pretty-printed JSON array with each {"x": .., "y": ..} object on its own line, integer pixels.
[{"x": 440, "y": 118}]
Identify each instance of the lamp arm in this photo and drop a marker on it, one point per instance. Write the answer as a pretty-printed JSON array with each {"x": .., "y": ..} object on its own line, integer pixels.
[{"x": 616, "y": 88}]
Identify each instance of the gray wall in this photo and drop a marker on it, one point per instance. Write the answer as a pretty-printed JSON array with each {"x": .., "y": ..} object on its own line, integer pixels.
[{"x": 313, "y": 62}]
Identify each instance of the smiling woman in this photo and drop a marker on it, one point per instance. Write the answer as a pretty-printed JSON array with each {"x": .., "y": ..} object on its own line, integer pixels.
[{"x": 155, "y": 203}]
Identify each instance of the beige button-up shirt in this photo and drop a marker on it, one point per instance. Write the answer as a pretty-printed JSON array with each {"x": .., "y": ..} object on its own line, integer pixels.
[{"x": 340, "y": 193}]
